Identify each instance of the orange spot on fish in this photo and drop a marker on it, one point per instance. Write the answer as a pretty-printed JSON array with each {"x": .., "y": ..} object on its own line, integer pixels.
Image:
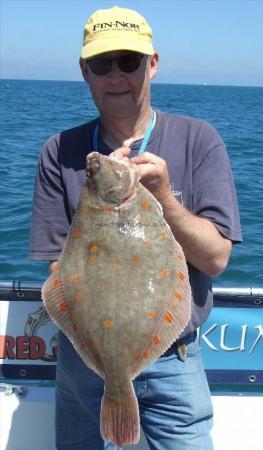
[
  {"x": 145, "y": 205},
  {"x": 82, "y": 345},
  {"x": 168, "y": 317},
  {"x": 116, "y": 261},
  {"x": 94, "y": 311},
  {"x": 181, "y": 257},
  {"x": 177, "y": 296},
  {"x": 57, "y": 282},
  {"x": 145, "y": 355},
  {"x": 181, "y": 276},
  {"x": 164, "y": 234},
  {"x": 151, "y": 314},
  {"x": 77, "y": 298},
  {"x": 92, "y": 261},
  {"x": 126, "y": 338},
  {"x": 165, "y": 274},
  {"x": 101, "y": 285},
  {"x": 93, "y": 345},
  {"x": 128, "y": 284},
  {"x": 74, "y": 327},
  {"x": 155, "y": 340},
  {"x": 63, "y": 306},
  {"x": 76, "y": 234},
  {"x": 107, "y": 209},
  {"x": 108, "y": 324},
  {"x": 146, "y": 241},
  {"x": 94, "y": 248},
  {"x": 94, "y": 210},
  {"x": 74, "y": 278},
  {"x": 81, "y": 209},
  {"x": 136, "y": 354},
  {"x": 136, "y": 261}
]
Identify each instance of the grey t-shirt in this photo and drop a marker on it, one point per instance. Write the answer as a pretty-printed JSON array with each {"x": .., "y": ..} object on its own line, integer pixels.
[{"x": 200, "y": 177}]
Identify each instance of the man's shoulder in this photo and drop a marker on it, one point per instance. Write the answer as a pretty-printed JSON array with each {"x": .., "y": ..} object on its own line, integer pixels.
[
  {"x": 67, "y": 145},
  {"x": 70, "y": 134},
  {"x": 184, "y": 120},
  {"x": 188, "y": 126}
]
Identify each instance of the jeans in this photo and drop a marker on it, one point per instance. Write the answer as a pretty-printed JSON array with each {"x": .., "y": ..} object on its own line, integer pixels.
[{"x": 173, "y": 395}]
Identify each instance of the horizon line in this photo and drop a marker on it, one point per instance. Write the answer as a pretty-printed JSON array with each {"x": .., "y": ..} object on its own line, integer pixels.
[{"x": 205, "y": 84}]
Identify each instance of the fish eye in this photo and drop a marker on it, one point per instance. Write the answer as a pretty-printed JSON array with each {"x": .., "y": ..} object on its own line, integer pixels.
[{"x": 88, "y": 173}]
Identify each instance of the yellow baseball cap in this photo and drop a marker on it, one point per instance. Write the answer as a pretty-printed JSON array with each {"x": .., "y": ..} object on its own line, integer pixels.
[{"x": 116, "y": 29}]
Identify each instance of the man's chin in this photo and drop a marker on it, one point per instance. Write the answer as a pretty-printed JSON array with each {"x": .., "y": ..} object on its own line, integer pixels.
[{"x": 119, "y": 111}]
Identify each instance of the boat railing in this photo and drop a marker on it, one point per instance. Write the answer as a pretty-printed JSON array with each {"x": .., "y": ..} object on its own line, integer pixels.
[{"x": 17, "y": 290}]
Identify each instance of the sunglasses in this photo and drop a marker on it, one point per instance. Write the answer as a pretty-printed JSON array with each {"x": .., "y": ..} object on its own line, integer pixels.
[{"x": 127, "y": 63}]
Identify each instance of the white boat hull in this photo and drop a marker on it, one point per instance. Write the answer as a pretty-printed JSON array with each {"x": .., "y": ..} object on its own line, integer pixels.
[{"x": 27, "y": 422}]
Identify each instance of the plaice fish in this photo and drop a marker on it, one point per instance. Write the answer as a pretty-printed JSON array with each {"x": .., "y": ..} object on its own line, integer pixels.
[{"x": 121, "y": 292}]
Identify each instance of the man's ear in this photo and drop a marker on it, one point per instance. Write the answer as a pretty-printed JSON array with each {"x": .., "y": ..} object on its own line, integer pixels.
[
  {"x": 84, "y": 69},
  {"x": 154, "y": 61}
]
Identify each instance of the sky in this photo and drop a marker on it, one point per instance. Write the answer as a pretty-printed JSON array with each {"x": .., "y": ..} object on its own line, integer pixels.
[{"x": 212, "y": 41}]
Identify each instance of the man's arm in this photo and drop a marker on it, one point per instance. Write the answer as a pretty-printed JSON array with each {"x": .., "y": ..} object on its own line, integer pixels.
[
  {"x": 50, "y": 211},
  {"x": 203, "y": 245}
]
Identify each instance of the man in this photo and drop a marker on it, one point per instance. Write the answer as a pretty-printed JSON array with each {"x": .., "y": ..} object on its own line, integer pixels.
[{"x": 118, "y": 62}]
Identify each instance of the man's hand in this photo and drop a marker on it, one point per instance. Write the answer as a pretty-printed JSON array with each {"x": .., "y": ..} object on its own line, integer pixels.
[
  {"x": 154, "y": 172},
  {"x": 154, "y": 175},
  {"x": 53, "y": 266},
  {"x": 121, "y": 153}
]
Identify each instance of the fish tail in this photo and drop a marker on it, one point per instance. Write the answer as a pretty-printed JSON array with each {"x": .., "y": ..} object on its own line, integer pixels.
[{"x": 120, "y": 423}]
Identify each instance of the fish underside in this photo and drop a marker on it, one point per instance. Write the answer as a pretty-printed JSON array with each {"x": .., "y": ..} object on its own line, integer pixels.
[{"x": 121, "y": 293}]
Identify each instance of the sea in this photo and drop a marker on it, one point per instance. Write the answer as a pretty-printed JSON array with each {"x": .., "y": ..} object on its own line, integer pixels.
[{"x": 32, "y": 111}]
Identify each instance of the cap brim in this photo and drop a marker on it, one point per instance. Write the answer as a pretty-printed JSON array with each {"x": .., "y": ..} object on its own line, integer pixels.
[{"x": 109, "y": 45}]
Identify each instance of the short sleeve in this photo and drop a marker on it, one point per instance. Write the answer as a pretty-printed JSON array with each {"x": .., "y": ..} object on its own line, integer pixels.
[
  {"x": 50, "y": 218},
  {"x": 214, "y": 194}
]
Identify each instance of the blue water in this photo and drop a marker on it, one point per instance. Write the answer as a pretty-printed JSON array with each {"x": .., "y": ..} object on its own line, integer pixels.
[{"x": 31, "y": 111}]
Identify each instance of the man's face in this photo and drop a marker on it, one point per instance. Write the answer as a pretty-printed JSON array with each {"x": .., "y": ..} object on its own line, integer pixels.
[{"x": 121, "y": 94}]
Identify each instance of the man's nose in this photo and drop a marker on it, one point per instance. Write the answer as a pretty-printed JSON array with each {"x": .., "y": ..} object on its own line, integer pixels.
[{"x": 115, "y": 70}]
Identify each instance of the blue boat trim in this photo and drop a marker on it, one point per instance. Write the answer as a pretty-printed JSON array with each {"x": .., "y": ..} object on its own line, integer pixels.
[
  {"x": 28, "y": 372},
  {"x": 220, "y": 381},
  {"x": 220, "y": 376},
  {"x": 238, "y": 297}
]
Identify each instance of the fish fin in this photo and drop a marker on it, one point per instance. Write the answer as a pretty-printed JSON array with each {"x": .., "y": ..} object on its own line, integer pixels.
[
  {"x": 119, "y": 420},
  {"x": 53, "y": 297},
  {"x": 58, "y": 309},
  {"x": 175, "y": 318}
]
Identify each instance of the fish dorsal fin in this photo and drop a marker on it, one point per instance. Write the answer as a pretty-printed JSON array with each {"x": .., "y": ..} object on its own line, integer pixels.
[{"x": 58, "y": 308}]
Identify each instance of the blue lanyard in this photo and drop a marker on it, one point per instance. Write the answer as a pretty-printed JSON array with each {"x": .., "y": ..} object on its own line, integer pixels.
[{"x": 143, "y": 144}]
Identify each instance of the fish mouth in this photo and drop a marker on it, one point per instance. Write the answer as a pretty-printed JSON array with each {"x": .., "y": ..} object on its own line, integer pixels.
[{"x": 93, "y": 166}]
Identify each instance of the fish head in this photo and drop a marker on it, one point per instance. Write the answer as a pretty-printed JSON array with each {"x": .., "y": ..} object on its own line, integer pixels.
[{"x": 112, "y": 180}]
